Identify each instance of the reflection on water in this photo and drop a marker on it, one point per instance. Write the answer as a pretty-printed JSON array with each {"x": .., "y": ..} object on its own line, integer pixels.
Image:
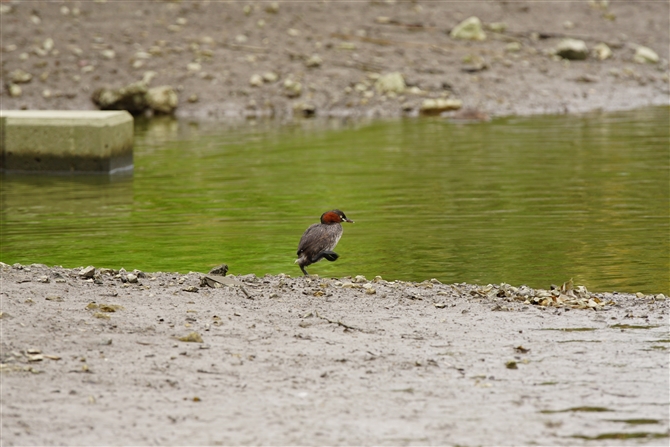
[{"x": 523, "y": 200}]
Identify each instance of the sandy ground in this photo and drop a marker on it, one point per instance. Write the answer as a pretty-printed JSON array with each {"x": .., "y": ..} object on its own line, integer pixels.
[
  {"x": 209, "y": 51},
  {"x": 317, "y": 361}
]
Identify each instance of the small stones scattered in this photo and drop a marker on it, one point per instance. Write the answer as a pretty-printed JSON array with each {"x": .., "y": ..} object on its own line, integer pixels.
[
  {"x": 14, "y": 90},
  {"x": 572, "y": 49},
  {"x": 256, "y": 80},
  {"x": 566, "y": 295},
  {"x": 469, "y": 29}
]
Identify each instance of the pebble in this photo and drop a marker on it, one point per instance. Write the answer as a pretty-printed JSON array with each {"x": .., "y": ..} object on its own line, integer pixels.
[
  {"x": 391, "y": 82},
  {"x": 270, "y": 76},
  {"x": 513, "y": 47},
  {"x": 14, "y": 90},
  {"x": 162, "y": 99},
  {"x": 292, "y": 88},
  {"x": 645, "y": 55},
  {"x": 572, "y": 49},
  {"x": 131, "y": 278},
  {"x": 469, "y": 29},
  {"x": 108, "y": 54},
  {"x": 602, "y": 51},
  {"x": 20, "y": 77},
  {"x": 87, "y": 272},
  {"x": 256, "y": 80},
  {"x": 432, "y": 106},
  {"x": 314, "y": 61}
]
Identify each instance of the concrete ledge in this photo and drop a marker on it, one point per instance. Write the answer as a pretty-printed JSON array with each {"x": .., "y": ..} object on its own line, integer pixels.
[{"x": 66, "y": 141}]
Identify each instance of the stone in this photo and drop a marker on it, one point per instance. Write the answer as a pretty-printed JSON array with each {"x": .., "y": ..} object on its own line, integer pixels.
[
  {"x": 270, "y": 76},
  {"x": 645, "y": 55},
  {"x": 14, "y": 90},
  {"x": 20, "y": 77},
  {"x": 256, "y": 80},
  {"x": 601, "y": 51},
  {"x": 132, "y": 278},
  {"x": 314, "y": 61},
  {"x": 391, "y": 82},
  {"x": 219, "y": 270},
  {"x": 572, "y": 49},
  {"x": 431, "y": 107},
  {"x": 292, "y": 88},
  {"x": 66, "y": 140},
  {"x": 162, "y": 99},
  {"x": 469, "y": 29},
  {"x": 87, "y": 272},
  {"x": 513, "y": 47},
  {"x": 497, "y": 27},
  {"x": 108, "y": 54},
  {"x": 131, "y": 98}
]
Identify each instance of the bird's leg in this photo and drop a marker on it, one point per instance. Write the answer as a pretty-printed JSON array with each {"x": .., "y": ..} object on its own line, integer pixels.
[
  {"x": 330, "y": 255},
  {"x": 304, "y": 271}
]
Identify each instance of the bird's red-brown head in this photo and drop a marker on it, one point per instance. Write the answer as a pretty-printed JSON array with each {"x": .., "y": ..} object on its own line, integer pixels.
[{"x": 333, "y": 217}]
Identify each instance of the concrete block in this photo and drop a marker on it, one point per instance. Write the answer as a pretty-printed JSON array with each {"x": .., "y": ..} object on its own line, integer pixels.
[{"x": 66, "y": 141}]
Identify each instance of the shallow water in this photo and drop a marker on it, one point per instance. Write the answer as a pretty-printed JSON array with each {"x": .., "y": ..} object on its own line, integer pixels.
[{"x": 533, "y": 201}]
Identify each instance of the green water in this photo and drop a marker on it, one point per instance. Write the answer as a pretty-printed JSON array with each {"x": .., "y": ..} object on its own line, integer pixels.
[{"x": 530, "y": 201}]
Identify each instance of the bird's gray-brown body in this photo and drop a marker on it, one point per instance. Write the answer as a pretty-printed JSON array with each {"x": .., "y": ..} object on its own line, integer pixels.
[{"x": 320, "y": 239}]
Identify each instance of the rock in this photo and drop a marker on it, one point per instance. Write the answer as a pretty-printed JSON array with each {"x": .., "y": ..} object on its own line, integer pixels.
[
  {"x": 601, "y": 51},
  {"x": 193, "y": 98},
  {"x": 14, "y": 90},
  {"x": 391, "y": 82},
  {"x": 270, "y": 76},
  {"x": 219, "y": 270},
  {"x": 131, "y": 98},
  {"x": 20, "y": 77},
  {"x": 272, "y": 8},
  {"x": 88, "y": 272},
  {"x": 256, "y": 80},
  {"x": 513, "y": 47},
  {"x": 162, "y": 99},
  {"x": 108, "y": 54},
  {"x": 131, "y": 278},
  {"x": 572, "y": 49},
  {"x": 193, "y": 337},
  {"x": 314, "y": 61},
  {"x": 645, "y": 55},
  {"x": 431, "y": 107},
  {"x": 469, "y": 29},
  {"x": 292, "y": 88},
  {"x": 307, "y": 110},
  {"x": 497, "y": 27}
]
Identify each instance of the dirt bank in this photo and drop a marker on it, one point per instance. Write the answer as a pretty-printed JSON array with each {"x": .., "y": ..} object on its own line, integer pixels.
[
  {"x": 88, "y": 359},
  {"x": 232, "y": 59}
]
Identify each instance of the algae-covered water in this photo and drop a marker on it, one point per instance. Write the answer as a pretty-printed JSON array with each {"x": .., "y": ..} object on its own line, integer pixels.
[{"x": 534, "y": 201}]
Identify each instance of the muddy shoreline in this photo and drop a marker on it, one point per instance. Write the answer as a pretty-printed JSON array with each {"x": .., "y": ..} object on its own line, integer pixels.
[
  {"x": 164, "y": 359},
  {"x": 283, "y": 59}
]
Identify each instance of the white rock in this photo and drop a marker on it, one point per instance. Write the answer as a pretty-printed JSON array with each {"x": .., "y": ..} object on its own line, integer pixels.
[
  {"x": 469, "y": 29},
  {"x": 572, "y": 49},
  {"x": 162, "y": 99},
  {"x": 391, "y": 82},
  {"x": 645, "y": 55},
  {"x": 602, "y": 51},
  {"x": 256, "y": 80}
]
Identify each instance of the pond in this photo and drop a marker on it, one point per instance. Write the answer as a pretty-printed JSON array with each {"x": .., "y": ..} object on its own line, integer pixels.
[{"x": 523, "y": 200}]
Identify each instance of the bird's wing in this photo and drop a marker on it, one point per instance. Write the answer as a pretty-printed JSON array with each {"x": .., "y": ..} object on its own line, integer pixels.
[{"x": 318, "y": 240}]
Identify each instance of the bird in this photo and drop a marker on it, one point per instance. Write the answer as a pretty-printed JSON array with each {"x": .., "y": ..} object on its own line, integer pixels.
[{"x": 319, "y": 240}]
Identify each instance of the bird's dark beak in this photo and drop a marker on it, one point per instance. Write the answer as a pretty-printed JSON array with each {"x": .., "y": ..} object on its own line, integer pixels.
[{"x": 348, "y": 220}]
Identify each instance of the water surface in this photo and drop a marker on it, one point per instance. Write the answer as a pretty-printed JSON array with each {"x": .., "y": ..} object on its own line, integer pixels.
[{"x": 531, "y": 201}]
